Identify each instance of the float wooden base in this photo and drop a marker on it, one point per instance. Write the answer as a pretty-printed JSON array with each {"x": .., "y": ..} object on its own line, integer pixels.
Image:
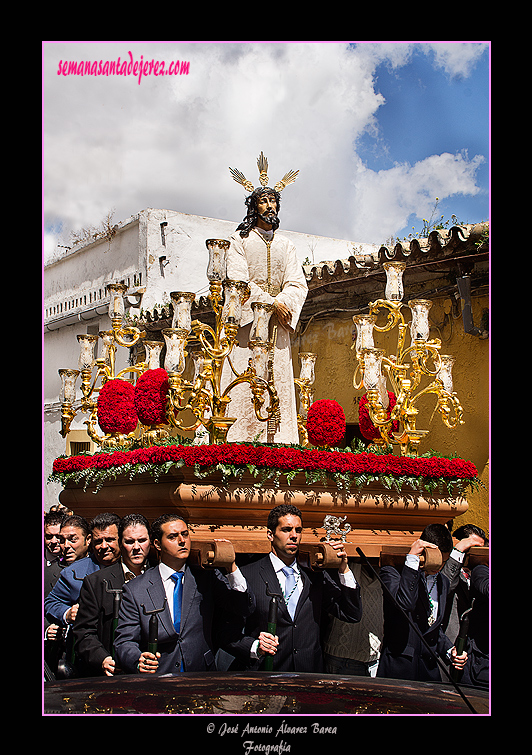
[{"x": 238, "y": 510}]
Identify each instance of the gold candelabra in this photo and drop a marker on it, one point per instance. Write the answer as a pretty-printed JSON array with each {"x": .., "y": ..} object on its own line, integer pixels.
[
  {"x": 205, "y": 396},
  {"x": 103, "y": 369},
  {"x": 405, "y": 377}
]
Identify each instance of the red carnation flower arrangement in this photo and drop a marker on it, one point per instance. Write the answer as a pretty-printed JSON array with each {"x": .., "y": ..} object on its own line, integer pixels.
[
  {"x": 325, "y": 423},
  {"x": 116, "y": 407},
  {"x": 270, "y": 457},
  {"x": 150, "y": 397},
  {"x": 430, "y": 470},
  {"x": 367, "y": 428}
]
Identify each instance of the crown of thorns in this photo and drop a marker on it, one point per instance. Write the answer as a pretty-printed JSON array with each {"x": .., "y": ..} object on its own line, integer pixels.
[{"x": 262, "y": 164}]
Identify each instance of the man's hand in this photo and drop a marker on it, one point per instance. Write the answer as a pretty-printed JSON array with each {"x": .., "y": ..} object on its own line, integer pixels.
[
  {"x": 225, "y": 540},
  {"x": 468, "y": 542},
  {"x": 148, "y": 662},
  {"x": 109, "y": 666},
  {"x": 52, "y": 632},
  {"x": 267, "y": 644},
  {"x": 339, "y": 547},
  {"x": 417, "y": 548},
  {"x": 70, "y": 615},
  {"x": 458, "y": 661}
]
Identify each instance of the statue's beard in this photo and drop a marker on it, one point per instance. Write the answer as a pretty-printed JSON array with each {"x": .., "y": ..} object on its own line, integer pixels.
[{"x": 271, "y": 218}]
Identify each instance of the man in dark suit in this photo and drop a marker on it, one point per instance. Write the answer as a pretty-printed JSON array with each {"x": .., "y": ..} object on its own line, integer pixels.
[
  {"x": 98, "y": 548},
  {"x": 53, "y": 563},
  {"x": 476, "y": 671},
  {"x": 99, "y": 541},
  {"x": 467, "y": 536},
  {"x": 307, "y": 597},
  {"x": 93, "y": 628},
  {"x": 423, "y": 596},
  {"x": 192, "y": 599}
]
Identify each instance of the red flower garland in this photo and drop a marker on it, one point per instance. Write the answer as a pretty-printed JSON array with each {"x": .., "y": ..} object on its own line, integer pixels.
[
  {"x": 367, "y": 428},
  {"x": 325, "y": 423},
  {"x": 150, "y": 397},
  {"x": 282, "y": 458},
  {"x": 116, "y": 408}
]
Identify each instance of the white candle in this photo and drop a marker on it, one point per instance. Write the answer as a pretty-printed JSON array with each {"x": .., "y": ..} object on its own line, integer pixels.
[
  {"x": 420, "y": 328},
  {"x": 394, "y": 280}
]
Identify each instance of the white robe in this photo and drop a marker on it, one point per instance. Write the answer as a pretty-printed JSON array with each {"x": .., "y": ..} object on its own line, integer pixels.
[{"x": 246, "y": 260}]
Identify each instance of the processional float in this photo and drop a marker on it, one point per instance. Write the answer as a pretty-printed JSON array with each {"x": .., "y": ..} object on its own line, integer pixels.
[{"x": 371, "y": 513}]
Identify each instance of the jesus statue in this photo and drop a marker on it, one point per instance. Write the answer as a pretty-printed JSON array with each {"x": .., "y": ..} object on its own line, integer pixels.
[{"x": 267, "y": 261}]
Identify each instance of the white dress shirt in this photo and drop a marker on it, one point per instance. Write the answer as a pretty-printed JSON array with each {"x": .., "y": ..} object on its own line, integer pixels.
[{"x": 128, "y": 574}]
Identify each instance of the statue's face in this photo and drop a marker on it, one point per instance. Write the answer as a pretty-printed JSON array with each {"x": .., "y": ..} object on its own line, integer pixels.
[
  {"x": 266, "y": 202},
  {"x": 267, "y": 210}
]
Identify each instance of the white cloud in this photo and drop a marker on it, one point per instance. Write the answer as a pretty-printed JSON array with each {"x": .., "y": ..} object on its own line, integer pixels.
[
  {"x": 384, "y": 200},
  {"x": 457, "y": 59},
  {"x": 169, "y": 142}
]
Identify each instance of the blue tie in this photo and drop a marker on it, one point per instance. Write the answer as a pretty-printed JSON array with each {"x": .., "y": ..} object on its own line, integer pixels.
[
  {"x": 290, "y": 593},
  {"x": 178, "y": 594}
]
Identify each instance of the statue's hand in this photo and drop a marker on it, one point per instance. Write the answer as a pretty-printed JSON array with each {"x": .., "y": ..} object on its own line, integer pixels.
[{"x": 283, "y": 313}]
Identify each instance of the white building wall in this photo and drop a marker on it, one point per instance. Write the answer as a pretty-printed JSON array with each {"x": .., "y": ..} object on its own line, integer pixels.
[{"x": 176, "y": 255}]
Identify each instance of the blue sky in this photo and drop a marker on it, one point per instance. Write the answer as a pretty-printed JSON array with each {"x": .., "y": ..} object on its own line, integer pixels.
[
  {"x": 377, "y": 131},
  {"x": 428, "y": 111}
]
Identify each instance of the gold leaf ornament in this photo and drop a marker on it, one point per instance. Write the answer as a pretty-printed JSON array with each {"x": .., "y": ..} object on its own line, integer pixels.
[{"x": 262, "y": 164}]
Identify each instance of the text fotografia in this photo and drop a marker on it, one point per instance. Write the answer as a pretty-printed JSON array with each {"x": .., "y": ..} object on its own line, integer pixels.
[
  {"x": 119, "y": 67},
  {"x": 250, "y": 745}
]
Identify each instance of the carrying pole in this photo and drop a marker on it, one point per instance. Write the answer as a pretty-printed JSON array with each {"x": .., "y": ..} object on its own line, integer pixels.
[
  {"x": 116, "y": 592},
  {"x": 461, "y": 640},
  {"x": 153, "y": 634},
  {"x": 272, "y": 623}
]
